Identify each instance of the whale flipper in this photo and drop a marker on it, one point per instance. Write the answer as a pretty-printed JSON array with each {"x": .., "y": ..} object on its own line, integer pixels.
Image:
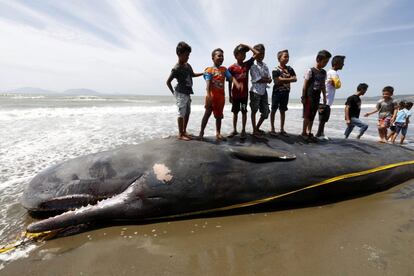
[{"x": 260, "y": 154}]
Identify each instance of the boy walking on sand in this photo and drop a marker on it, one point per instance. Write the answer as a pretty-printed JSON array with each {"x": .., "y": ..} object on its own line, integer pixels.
[
  {"x": 332, "y": 83},
  {"x": 183, "y": 73},
  {"x": 238, "y": 97},
  {"x": 387, "y": 110},
  {"x": 352, "y": 111},
  {"x": 283, "y": 75},
  {"x": 258, "y": 92},
  {"x": 313, "y": 87},
  {"x": 215, "y": 77}
]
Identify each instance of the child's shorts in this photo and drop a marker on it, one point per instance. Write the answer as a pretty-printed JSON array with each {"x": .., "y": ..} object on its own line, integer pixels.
[
  {"x": 324, "y": 111},
  {"x": 239, "y": 104},
  {"x": 310, "y": 108},
  {"x": 280, "y": 101},
  {"x": 217, "y": 105},
  {"x": 384, "y": 122},
  {"x": 261, "y": 103},
  {"x": 183, "y": 104},
  {"x": 400, "y": 127}
]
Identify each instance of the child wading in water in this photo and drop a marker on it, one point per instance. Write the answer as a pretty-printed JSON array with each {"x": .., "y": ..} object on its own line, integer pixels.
[
  {"x": 184, "y": 73},
  {"x": 215, "y": 77},
  {"x": 239, "y": 97},
  {"x": 283, "y": 75},
  {"x": 313, "y": 87},
  {"x": 402, "y": 120},
  {"x": 387, "y": 110}
]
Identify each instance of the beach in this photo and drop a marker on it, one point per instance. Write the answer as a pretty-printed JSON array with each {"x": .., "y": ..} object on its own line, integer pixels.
[{"x": 370, "y": 235}]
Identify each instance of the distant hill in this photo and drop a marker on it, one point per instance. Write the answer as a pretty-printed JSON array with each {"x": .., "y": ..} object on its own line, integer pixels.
[
  {"x": 81, "y": 92},
  {"x": 31, "y": 91}
]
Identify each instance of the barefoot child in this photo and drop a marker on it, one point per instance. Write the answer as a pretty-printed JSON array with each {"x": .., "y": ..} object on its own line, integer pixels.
[
  {"x": 283, "y": 75},
  {"x": 402, "y": 121},
  {"x": 352, "y": 111},
  {"x": 387, "y": 110},
  {"x": 313, "y": 87},
  {"x": 215, "y": 77},
  {"x": 258, "y": 92},
  {"x": 238, "y": 97},
  {"x": 184, "y": 73}
]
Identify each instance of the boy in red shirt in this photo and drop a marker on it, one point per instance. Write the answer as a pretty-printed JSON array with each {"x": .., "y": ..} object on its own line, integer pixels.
[
  {"x": 215, "y": 77},
  {"x": 239, "y": 97}
]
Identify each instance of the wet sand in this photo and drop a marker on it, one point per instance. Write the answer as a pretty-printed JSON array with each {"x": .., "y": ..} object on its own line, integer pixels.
[{"x": 372, "y": 235}]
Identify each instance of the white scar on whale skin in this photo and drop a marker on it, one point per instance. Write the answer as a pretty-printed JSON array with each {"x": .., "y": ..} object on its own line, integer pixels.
[{"x": 162, "y": 172}]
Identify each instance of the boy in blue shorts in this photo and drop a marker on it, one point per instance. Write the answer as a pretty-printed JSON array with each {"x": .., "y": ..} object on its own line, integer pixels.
[
  {"x": 402, "y": 120},
  {"x": 283, "y": 75},
  {"x": 183, "y": 73}
]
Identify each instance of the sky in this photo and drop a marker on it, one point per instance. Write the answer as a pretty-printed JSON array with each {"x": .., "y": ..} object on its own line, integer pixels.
[{"x": 128, "y": 47}]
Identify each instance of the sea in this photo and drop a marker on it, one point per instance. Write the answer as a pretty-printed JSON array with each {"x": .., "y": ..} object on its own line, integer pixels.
[{"x": 39, "y": 131}]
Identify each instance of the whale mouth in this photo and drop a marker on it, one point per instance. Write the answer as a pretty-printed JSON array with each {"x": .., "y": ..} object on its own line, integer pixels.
[{"x": 80, "y": 209}]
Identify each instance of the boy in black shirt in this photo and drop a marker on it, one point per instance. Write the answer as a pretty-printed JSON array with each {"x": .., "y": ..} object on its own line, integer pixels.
[
  {"x": 313, "y": 87},
  {"x": 352, "y": 111}
]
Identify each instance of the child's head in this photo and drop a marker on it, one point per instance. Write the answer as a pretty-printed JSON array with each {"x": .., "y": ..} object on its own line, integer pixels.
[
  {"x": 408, "y": 105},
  {"x": 322, "y": 58},
  {"x": 240, "y": 53},
  {"x": 362, "y": 88},
  {"x": 183, "y": 51},
  {"x": 218, "y": 56},
  {"x": 283, "y": 57},
  {"x": 261, "y": 49},
  {"x": 338, "y": 62},
  {"x": 387, "y": 92},
  {"x": 402, "y": 104}
]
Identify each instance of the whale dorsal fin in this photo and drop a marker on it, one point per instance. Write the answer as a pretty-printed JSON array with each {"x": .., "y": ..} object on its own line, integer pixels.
[{"x": 260, "y": 154}]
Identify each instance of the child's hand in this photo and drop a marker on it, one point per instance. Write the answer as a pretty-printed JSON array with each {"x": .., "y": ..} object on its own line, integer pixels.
[
  {"x": 366, "y": 114},
  {"x": 348, "y": 122}
]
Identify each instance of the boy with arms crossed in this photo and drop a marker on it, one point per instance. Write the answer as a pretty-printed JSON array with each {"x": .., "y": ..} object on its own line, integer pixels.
[
  {"x": 184, "y": 73},
  {"x": 283, "y": 75}
]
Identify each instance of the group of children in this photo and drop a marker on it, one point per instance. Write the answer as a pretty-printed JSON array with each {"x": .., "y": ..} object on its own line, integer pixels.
[{"x": 317, "y": 83}]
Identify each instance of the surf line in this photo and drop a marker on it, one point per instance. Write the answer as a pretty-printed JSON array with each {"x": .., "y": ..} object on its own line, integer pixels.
[{"x": 268, "y": 199}]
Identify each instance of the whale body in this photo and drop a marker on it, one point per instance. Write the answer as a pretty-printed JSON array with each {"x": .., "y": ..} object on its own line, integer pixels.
[{"x": 167, "y": 178}]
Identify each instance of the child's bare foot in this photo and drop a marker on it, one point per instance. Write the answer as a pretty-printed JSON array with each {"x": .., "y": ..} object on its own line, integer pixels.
[
  {"x": 257, "y": 134},
  {"x": 220, "y": 137},
  {"x": 284, "y": 133},
  {"x": 183, "y": 137},
  {"x": 231, "y": 135},
  {"x": 243, "y": 135},
  {"x": 273, "y": 133},
  {"x": 383, "y": 141},
  {"x": 200, "y": 136}
]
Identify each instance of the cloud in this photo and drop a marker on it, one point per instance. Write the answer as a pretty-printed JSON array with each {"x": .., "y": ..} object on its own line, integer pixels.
[{"x": 129, "y": 46}]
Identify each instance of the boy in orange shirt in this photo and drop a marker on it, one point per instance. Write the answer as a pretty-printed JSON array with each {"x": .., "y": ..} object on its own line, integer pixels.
[{"x": 215, "y": 77}]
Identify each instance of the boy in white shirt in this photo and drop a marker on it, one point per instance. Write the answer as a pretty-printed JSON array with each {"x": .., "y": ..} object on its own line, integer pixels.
[{"x": 332, "y": 83}]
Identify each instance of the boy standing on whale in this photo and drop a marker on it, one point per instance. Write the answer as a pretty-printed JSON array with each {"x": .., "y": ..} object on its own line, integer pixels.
[
  {"x": 184, "y": 73},
  {"x": 215, "y": 77},
  {"x": 239, "y": 97}
]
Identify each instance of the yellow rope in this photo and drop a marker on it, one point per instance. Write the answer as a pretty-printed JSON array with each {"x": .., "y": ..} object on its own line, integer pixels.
[
  {"x": 27, "y": 237},
  {"x": 324, "y": 182}
]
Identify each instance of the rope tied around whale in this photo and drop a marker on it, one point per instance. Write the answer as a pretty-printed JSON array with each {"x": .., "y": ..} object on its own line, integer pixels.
[{"x": 28, "y": 237}]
